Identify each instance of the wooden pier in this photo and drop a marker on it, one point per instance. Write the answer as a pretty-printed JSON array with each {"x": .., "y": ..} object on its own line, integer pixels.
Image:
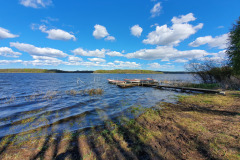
[
  {"x": 156, "y": 85},
  {"x": 191, "y": 89}
]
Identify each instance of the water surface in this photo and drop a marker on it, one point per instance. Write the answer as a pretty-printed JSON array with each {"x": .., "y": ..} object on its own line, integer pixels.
[{"x": 29, "y": 101}]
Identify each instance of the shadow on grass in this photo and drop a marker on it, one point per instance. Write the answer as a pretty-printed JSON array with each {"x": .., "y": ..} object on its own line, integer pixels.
[{"x": 144, "y": 139}]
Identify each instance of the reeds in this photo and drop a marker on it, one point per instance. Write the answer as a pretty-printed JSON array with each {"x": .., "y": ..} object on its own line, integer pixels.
[{"x": 89, "y": 92}]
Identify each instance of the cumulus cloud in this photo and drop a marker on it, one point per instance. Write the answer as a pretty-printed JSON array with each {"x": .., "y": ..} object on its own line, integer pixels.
[
  {"x": 179, "y": 31},
  {"x": 181, "y": 60},
  {"x": 114, "y": 53},
  {"x": 136, "y": 30},
  {"x": 57, "y": 34},
  {"x": 159, "y": 66},
  {"x": 44, "y": 62},
  {"x": 37, "y": 51},
  {"x": 110, "y": 38},
  {"x": 36, "y": 3},
  {"x": 90, "y": 53},
  {"x": 122, "y": 64},
  {"x": 183, "y": 19},
  {"x": 74, "y": 59},
  {"x": 4, "y": 33},
  {"x": 100, "y": 53},
  {"x": 97, "y": 60},
  {"x": 155, "y": 11},
  {"x": 216, "y": 42},
  {"x": 5, "y": 62},
  {"x": 220, "y": 56},
  {"x": 166, "y": 53},
  {"x": 8, "y": 52},
  {"x": 100, "y": 32}
]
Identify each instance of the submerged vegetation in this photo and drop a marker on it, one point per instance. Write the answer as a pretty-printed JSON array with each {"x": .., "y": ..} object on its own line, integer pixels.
[
  {"x": 121, "y": 71},
  {"x": 51, "y": 95},
  {"x": 198, "y": 127}
]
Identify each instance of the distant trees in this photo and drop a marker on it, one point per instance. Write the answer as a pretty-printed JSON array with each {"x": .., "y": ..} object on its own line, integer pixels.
[{"x": 233, "y": 50}]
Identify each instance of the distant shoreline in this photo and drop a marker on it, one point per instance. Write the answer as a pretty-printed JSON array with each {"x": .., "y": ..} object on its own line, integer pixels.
[{"x": 95, "y": 72}]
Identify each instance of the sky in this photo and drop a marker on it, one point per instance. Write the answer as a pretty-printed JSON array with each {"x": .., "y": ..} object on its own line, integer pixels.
[{"x": 162, "y": 35}]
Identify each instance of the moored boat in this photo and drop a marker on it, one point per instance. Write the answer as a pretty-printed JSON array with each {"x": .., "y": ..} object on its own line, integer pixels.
[
  {"x": 112, "y": 81},
  {"x": 132, "y": 80},
  {"x": 154, "y": 80}
]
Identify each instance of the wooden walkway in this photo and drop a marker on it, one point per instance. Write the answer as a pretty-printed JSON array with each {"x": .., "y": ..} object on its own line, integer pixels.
[
  {"x": 191, "y": 89},
  {"x": 127, "y": 85}
]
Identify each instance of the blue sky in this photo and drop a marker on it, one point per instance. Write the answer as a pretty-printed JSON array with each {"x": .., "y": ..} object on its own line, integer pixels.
[{"x": 111, "y": 34}]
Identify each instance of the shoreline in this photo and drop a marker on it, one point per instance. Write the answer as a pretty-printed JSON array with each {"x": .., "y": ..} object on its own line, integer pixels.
[{"x": 199, "y": 126}]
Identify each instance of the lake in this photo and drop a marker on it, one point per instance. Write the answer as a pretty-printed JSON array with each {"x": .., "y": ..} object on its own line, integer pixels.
[{"x": 30, "y": 101}]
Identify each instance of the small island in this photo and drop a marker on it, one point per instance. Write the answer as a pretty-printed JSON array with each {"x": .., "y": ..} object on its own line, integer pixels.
[{"x": 121, "y": 71}]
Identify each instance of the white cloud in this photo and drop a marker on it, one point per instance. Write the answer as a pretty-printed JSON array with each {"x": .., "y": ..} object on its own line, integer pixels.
[
  {"x": 218, "y": 41},
  {"x": 37, "y": 51},
  {"x": 36, "y": 3},
  {"x": 122, "y": 64},
  {"x": 74, "y": 59},
  {"x": 8, "y": 52},
  {"x": 100, "y": 53},
  {"x": 4, "y": 33},
  {"x": 90, "y": 53},
  {"x": 155, "y": 11},
  {"x": 183, "y": 19},
  {"x": 97, "y": 60},
  {"x": 164, "y": 35},
  {"x": 220, "y": 27},
  {"x": 4, "y": 62},
  {"x": 57, "y": 34},
  {"x": 181, "y": 60},
  {"x": 159, "y": 66},
  {"x": 100, "y": 32},
  {"x": 136, "y": 30},
  {"x": 44, "y": 62},
  {"x": 114, "y": 53},
  {"x": 166, "y": 53},
  {"x": 110, "y": 38},
  {"x": 220, "y": 56}
]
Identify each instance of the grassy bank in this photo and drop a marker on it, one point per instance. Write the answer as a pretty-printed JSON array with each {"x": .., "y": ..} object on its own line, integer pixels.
[
  {"x": 197, "y": 127},
  {"x": 120, "y": 71}
]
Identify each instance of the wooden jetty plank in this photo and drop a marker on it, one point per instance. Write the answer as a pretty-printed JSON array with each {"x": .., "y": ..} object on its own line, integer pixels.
[{"x": 192, "y": 89}]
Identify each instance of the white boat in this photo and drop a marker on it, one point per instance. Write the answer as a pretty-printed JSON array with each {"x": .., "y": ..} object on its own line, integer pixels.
[
  {"x": 132, "y": 80},
  {"x": 112, "y": 81}
]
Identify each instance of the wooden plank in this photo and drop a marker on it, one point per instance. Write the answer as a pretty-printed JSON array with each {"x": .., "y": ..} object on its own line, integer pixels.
[{"x": 192, "y": 89}]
